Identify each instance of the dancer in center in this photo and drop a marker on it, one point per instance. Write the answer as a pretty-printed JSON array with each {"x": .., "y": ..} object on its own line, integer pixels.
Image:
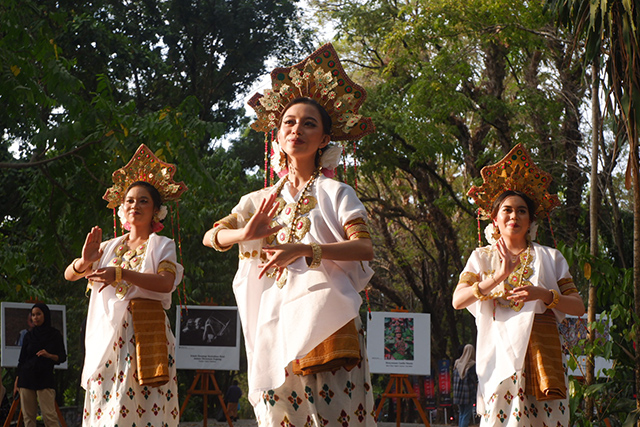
[{"x": 303, "y": 247}]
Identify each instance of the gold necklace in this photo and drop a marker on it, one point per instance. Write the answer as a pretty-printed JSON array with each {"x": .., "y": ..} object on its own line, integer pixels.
[
  {"x": 293, "y": 216},
  {"x": 129, "y": 259},
  {"x": 297, "y": 225},
  {"x": 515, "y": 280}
]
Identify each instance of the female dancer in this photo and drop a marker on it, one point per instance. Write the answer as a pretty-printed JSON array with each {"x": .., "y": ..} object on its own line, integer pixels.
[
  {"x": 303, "y": 243},
  {"x": 129, "y": 371},
  {"x": 518, "y": 291}
]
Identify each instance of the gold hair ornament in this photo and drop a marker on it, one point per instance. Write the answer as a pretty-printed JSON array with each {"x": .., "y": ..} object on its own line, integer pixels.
[
  {"x": 321, "y": 78},
  {"x": 144, "y": 166},
  {"x": 516, "y": 171}
]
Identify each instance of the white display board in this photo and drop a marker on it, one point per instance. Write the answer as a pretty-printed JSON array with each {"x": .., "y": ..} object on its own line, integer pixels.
[
  {"x": 399, "y": 343},
  {"x": 16, "y": 321},
  {"x": 208, "y": 338},
  {"x": 572, "y": 330}
]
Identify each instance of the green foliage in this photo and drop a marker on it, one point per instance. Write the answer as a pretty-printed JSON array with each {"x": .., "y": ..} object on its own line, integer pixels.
[
  {"x": 452, "y": 86},
  {"x": 82, "y": 84},
  {"x": 614, "y": 341}
]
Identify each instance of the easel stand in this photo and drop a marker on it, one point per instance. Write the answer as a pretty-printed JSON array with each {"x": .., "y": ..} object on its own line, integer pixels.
[
  {"x": 399, "y": 381},
  {"x": 15, "y": 406},
  {"x": 206, "y": 377}
]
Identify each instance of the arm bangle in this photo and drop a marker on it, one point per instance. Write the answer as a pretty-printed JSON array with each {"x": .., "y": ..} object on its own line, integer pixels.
[
  {"x": 317, "y": 255},
  {"x": 73, "y": 265},
  {"x": 476, "y": 292},
  {"x": 556, "y": 299},
  {"x": 118, "y": 276}
]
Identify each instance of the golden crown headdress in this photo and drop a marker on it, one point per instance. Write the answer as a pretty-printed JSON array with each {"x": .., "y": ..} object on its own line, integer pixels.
[
  {"x": 144, "y": 166},
  {"x": 321, "y": 78},
  {"x": 516, "y": 171}
]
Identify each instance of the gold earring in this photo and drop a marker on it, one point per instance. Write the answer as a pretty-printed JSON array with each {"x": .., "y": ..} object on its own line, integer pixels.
[
  {"x": 496, "y": 232},
  {"x": 283, "y": 160}
]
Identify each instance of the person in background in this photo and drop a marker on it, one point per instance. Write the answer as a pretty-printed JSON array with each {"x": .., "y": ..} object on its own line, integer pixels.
[
  {"x": 232, "y": 397},
  {"x": 465, "y": 384},
  {"x": 42, "y": 348}
]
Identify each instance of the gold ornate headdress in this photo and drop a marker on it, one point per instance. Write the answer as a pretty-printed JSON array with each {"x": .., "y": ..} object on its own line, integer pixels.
[
  {"x": 516, "y": 171},
  {"x": 321, "y": 78},
  {"x": 144, "y": 166}
]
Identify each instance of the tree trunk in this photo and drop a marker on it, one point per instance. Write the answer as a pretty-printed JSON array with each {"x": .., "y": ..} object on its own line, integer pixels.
[
  {"x": 633, "y": 158},
  {"x": 593, "y": 223}
]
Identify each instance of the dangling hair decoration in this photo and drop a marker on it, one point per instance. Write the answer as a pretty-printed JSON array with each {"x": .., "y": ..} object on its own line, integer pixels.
[
  {"x": 271, "y": 154},
  {"x": 479, "y": 234},
  {"x": 184, "y": 286},
  {"x": 115, "y": 222},
  {"x": 355, "y": 167},
  {"x": 344, "y": 165},
  {"x": 266, "y": 158}
]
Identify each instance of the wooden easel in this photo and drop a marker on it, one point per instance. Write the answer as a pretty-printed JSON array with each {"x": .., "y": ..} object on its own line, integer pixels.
[
  {"x": 399, "y": 381},
  {"x": 15, "y": 406},
  {"x": 207, "y": 377}
]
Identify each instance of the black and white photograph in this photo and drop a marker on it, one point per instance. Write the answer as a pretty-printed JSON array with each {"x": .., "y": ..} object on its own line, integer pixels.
[{"x": 208, "y": 337}]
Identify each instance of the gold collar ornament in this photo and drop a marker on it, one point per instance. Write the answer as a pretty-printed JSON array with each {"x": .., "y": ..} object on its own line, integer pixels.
[
  {"x": 321, "y": 78},
  {"x": 516, "y": 171},
  {"x": 144, "y": 166}
]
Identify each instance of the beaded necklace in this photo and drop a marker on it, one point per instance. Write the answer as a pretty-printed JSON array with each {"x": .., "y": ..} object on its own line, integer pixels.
[
  {"x": 129, "y": 259},
  {"x": 296, "y": 224},
  {"x": 520, "y": 277}
]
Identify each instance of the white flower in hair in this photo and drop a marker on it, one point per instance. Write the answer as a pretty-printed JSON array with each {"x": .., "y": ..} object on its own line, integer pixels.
[
  {"x": 162, "y": 213},
  {"x": 533, "y": 231},
  {"x": 488, "y": 233},
  {"x": 121, "y": 215},
  {"x": 330, "y": 158},
  {"x": 276, "y": 162}
]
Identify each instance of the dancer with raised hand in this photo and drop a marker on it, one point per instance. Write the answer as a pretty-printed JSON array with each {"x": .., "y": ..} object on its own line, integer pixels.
[
  {"x": 518, "y": 290},
  {"x": 129, "y": 369},
  {"x": 303, "y": 245}
]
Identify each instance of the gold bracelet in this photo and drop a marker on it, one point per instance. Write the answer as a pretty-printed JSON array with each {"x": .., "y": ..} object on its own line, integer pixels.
[
  {"x": 317, "y": 255},
  {"x": 476, "y": 292},
  {"x": 556, "y": 299},
  {"x": 73, "y": 265},
  {"x": 118, "y": 276}
]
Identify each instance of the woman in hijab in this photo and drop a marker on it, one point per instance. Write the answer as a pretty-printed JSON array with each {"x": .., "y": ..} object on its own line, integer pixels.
[
  {"x": 465, "y": 383},
  {"x": 42, "y": 348}
]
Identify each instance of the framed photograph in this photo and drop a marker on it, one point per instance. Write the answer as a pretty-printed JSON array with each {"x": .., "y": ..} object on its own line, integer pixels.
[
  {"x": 399, "y": 343},
  {"x": 16, "y": 322},
  {"x": 574, "y": 329},
  {"x": 208, "y": 338}
]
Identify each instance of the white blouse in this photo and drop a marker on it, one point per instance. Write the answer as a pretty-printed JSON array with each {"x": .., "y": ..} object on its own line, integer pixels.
[
  {"x": 106, "y": 310},
  {"x": 283, "y": 324},
  {"x": 502, "y": 342}
]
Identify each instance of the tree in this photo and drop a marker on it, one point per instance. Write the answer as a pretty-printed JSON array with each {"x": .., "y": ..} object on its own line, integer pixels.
[
  {"x": 612, "y": 34},
  {"x": 83, "y": 84},
  {"x": 452, "y": 87}
]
